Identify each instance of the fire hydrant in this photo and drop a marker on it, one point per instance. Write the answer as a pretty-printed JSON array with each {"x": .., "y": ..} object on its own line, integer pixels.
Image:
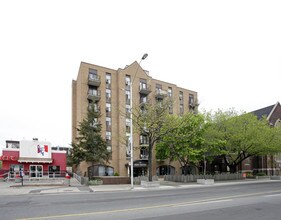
[{"x": 67, "y": 179}]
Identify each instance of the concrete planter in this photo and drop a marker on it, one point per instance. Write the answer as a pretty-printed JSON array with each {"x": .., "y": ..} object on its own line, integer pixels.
[
  {"x": 275, "y": 177},
  {"x": 206, "y": 181},
  {"x": 262, "y": 177},
  {"x": 147, "y": 184}
]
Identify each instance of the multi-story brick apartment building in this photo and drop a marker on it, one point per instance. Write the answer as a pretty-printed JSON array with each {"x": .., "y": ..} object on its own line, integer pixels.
[{"x": 108, "y": 91}]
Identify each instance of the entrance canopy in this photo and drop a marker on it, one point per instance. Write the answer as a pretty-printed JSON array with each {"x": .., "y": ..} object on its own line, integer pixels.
[{"x": 140, "y": 163}]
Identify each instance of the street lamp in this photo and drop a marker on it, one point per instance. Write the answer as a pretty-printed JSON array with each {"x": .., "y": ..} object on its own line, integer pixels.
[{"x": 131, "y": 122}]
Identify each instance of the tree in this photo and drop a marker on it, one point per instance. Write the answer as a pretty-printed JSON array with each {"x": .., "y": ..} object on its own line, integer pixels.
[
  {"x": 238, "y": 137},
  {"x": 185, "y": 142},
  {"x": 150, "y": 121},
  {"x": 90, "y": 146}
]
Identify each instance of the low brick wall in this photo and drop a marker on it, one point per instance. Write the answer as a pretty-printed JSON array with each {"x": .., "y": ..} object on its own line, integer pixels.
[
  {"x": 111, "y": 180},
  {"x": 193, "y": 178}
]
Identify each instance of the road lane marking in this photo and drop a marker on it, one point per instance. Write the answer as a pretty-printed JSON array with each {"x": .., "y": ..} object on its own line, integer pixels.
[
  {"x": 202, "y": 203},
  {"x": 150, "y": 207},
  {"x": 272, "y": 195}
]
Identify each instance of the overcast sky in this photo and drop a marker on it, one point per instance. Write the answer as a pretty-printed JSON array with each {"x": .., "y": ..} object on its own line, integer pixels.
[{"x": 227, "y": 51}]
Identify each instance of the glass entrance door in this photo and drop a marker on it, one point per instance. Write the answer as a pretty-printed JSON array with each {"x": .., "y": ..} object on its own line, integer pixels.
[{"x": 36, "y": 171}]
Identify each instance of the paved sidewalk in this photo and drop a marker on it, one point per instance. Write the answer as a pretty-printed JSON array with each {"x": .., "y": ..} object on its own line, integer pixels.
[{"x": 57, "y": 187}]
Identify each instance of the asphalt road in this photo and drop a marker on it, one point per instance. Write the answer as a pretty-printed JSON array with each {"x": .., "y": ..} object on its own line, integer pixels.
[{"x": 248, "y": 201}]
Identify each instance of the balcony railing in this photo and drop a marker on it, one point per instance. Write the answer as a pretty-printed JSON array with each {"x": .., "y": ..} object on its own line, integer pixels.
[
  {"x": 95, "y": 107},
  {"x": 145, "y": 89},
  {"x": 94, "y": 80},
  {"x": 94, "y": 95},
  {"x": 160, "y": 94}
]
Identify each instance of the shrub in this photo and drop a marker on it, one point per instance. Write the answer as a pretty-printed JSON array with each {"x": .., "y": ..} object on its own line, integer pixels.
[
  {"x": 249, "y": 174},
  {"x": 261, "y": 174},
  {"x": 95, "y": 182}
]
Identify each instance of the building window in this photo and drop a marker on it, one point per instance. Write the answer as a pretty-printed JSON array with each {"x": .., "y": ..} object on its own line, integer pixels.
[
  {"x": 108, "y": 123},
  {"x": 128, "y": 125},
  {"x": 181, "y": 96},
  {"x": 54, "y": 171},
  {"x": 94, "y": 92},
  {"x": 143, "y": 99},
  {"x": 143, "y": 84},
  {"x": 128, "y": 97},
  {"x": 158, "y": 88},
  {"x": 93, "y": 74},
  {"x": 128, "y": 147},
  {"x": 108, "y": 95},
  {"x": 127, "y": 82},
  {"x": 128, "y": 115},
  {"x": 171, "y": 108},
  {"x": 181, "y": 110},
  {"x": 108, "y": 80},
  {"x": 13, "y": 144},
  {"x": 36, "y": 171},
  {"x": 108, "y": 109},
  {"x": 143, "y": 140},
  {"x": 170, "y": 92},
  {"x": 15, "y": 169},
  {"x": 143, "y": 153}
]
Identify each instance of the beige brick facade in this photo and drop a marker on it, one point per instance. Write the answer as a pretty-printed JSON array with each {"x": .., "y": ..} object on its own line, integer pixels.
[{"x": 110, "y": 91}]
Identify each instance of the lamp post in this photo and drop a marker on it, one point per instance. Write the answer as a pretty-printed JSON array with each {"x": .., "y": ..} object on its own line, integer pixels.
[{"x": 131, "y": 122}]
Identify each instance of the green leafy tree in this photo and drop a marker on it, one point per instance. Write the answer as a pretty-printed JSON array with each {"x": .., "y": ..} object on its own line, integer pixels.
[
  {"x": 185, "y": 143},
  {"x": 238, "y": 137},
  {"x": 90, "y": 146},
  {"x": 150, "y": 121}
]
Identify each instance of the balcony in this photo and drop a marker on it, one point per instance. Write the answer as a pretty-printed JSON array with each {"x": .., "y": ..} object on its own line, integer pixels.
[
  {"x": 95, "y": 123},
  {"x": 94, "y": 80},
  {"x": 143, "y": 142},
  {"x": 94, "y": 95},
  {"x": 94, "y": 106},
  {"x": 160, "y": 94},
  {"x": 145, "y": 89}
]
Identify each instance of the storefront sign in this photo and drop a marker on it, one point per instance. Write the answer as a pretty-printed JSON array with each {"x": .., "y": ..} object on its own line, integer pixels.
[
  {"x": 35, "y": 149},
  {"x": 7, "y": 157}
]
